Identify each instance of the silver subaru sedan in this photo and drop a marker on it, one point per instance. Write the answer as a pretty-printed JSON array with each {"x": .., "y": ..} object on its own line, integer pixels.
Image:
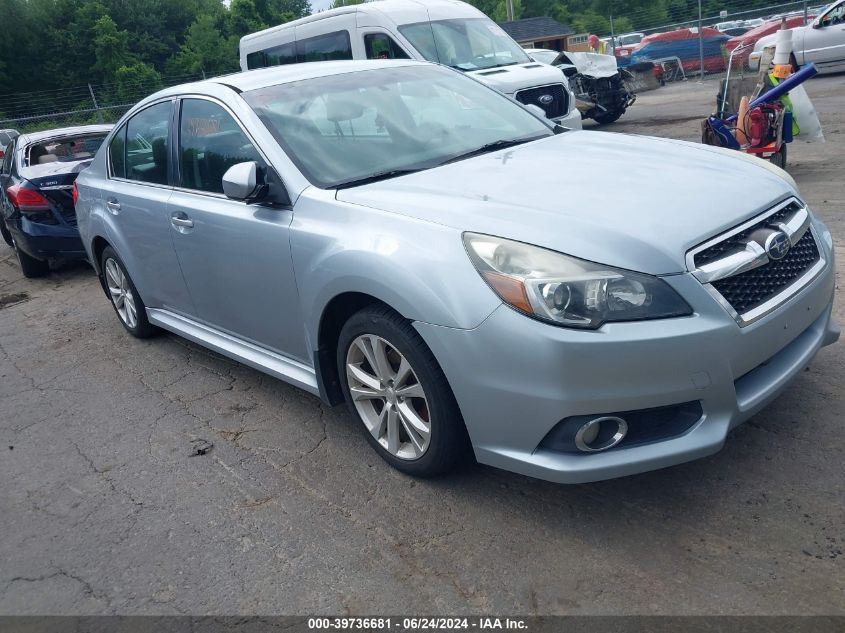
[{"x": 460, "y": 272}]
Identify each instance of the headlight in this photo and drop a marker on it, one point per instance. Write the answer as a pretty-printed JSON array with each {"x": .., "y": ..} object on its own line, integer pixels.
[{"x": 567, "y": 291}]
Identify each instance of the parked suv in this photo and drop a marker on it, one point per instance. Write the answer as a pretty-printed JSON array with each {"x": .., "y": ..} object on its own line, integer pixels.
[
  {"x": 393, "y": 234},
  {"x": 445, "y": 32},
  {"x": 37, "y": 217}
]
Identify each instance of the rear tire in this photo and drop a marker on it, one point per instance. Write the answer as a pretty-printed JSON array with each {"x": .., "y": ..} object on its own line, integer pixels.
[
  {"x": 125, "y": 300},
  {"x": 7, "y": 237},
  {"x": 30, "y": 267},
  {"x": 779, "y": 158},
  {"x": 405, "y": 393}
]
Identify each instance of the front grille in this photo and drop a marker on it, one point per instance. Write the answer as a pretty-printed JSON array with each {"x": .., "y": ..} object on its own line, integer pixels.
[
  {"x": 737, "y": 242},
  {"x": 748, "y": 290},
  {"x": 557, "y": 107}
]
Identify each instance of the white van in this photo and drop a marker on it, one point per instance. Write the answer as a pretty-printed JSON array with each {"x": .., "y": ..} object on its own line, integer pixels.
[{"x": 442, "y": 31}]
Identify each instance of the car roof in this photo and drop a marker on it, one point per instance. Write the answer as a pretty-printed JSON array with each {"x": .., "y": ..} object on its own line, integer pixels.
[
  {"x": 387, "y": 7},
  {"x": 274, "y": 75},
  {"x": 34, "y": 137}
]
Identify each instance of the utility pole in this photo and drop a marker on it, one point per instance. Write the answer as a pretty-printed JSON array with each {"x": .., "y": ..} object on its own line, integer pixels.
[
  {"x": 509, "y": 8},
  {"x": 700, "y": 42},
  {"x": 612, "y": 37},
  {"x": 805, "y": 13}
]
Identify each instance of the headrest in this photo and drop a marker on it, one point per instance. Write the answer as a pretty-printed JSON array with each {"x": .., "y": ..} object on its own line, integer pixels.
[
  {"x": 47, "y": 158},
  {"x": 343, "y": 110}
]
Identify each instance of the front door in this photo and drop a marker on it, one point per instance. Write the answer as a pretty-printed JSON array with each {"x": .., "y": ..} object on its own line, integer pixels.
[
  {"x": 825, "y": 44},
  {"x": 235, "y": 256}
]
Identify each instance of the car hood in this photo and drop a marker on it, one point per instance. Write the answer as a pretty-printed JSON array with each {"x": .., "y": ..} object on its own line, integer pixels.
[
  {"x": 589, "y": 64},
  {"x": 627, "y": 201},
  {"x": 772, "y": 39},
  {"x": 510, "y": 79}
]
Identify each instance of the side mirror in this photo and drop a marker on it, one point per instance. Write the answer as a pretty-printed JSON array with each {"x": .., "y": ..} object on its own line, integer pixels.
[
  {"x": 240, "y": 182},
  {"x": 250, "y": 183}
]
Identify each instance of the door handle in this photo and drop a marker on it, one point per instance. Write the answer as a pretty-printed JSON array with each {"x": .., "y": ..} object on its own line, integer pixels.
[
  {"x": 181, "y": 222},
  {"x": 113, "y": 205}
]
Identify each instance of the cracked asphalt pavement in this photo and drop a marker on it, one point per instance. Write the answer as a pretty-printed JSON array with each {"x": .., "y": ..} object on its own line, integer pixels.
[{"x": 103, "y": 508}]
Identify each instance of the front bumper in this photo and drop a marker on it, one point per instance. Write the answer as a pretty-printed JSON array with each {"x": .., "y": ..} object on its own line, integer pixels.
[
  {"x": 515, "y": 378},
  {"x": 46, "y": 241}
]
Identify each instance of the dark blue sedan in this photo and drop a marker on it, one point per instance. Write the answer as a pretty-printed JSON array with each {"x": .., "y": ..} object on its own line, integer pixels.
[{"x": 37, "y": 216}]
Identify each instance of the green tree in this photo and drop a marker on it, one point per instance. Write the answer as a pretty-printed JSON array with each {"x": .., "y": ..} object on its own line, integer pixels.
[
  {"x": 111, "y": 49},
  {"x": 205, "y": 49},
  {"x": 135, "y": 81}
]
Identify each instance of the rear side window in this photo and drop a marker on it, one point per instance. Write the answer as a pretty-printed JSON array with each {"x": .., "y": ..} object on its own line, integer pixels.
[
  {"x": 324, "y": 48},
  {"x": 146, "y": 144},
  {"x": 382, "y": 46},
  {"x": 276, "y": 56},
  {"x": 210, "y": 141},
  {"x": 117, "y": 154}
]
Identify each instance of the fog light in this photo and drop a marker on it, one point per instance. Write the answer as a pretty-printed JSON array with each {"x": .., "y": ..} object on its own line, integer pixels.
[{"x": 600, "y": 434}]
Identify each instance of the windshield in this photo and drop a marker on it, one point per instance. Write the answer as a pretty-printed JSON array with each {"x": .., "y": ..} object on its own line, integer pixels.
[
  {"x": 544, "y": 57},
  {"x": 343, "y": 128},
  {"x": 64, "y": 150},
  {"x": 466, "y": 44}
]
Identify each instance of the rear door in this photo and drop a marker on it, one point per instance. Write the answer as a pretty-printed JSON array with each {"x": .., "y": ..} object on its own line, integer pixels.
[
  {"x": 136, "y": 194},
  {"x": 235, "y": 256}
]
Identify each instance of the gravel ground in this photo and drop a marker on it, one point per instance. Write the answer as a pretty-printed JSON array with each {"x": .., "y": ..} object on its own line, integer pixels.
[{"x": 102, "y": 510}]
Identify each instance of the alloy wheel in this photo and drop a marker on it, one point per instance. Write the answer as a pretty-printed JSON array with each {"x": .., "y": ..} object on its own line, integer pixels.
[
  {"x": 388, "y": 396},
  {"x": 121, "y": 293}
]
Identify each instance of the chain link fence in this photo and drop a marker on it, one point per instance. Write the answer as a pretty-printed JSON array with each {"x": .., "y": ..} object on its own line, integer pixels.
[
  {"x": 698, "y": 53},
  {"x": 79, "y": 105},
  {"x": 702, "y": 48}
]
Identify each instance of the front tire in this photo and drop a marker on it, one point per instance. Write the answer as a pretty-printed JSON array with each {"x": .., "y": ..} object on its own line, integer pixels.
[
  {"x": 394, "y": 386},
  {"x": 125, "y": 300},
  {"x": 606, "y": 118}
]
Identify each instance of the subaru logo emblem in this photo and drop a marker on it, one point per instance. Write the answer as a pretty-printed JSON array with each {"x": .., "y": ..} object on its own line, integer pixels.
[
  {"x": 777, "y": 245},
  {"x": 546, "y": 99}
]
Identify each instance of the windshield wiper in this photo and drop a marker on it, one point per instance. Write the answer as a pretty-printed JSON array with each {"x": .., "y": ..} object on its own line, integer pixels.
[
  {"x": 491, "y": 147},
  {"x": 382, "y": 175}
]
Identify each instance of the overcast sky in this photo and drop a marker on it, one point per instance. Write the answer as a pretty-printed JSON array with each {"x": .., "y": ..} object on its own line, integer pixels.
[{"x": 318, "y": 5}]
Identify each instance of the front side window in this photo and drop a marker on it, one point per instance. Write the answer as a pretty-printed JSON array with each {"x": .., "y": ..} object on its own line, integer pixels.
[
  {"x": 117, "y": 154},
  {"x": 210, "y": 141},
  {"x": 352, "y": 126},
  {"x": 834, "y": 16},
  {"x": 382, "y": 46},
  {"x": 466, "y": 44},
  {"x": 323, "y": 48},
  {"x": 147, "y": 136}
]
